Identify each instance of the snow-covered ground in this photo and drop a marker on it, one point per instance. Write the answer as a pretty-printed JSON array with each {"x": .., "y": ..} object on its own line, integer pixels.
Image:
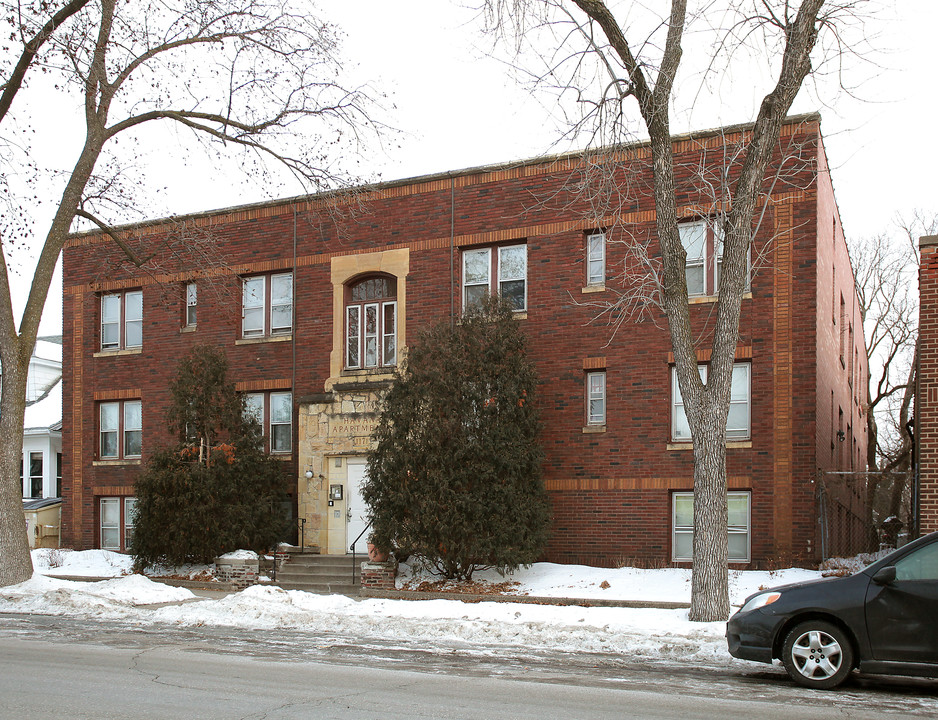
[{"x": 650, "y": 634}]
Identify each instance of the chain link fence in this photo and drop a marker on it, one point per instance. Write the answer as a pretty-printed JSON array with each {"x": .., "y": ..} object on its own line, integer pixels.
[{"x": 863, "y": 512}]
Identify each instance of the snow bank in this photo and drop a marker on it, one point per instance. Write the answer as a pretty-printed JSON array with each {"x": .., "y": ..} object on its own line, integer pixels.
[
  {"x": 108, "y": 598},
  {"x": 639, "y": 634},
  {"x": 87, "y": 563},
  {"x": 580, "y": 581}
]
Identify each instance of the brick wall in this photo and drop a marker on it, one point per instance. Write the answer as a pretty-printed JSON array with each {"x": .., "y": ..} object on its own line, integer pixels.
[
  {"x": 611, "y": 491},
  {"x": 927, "y": 400}
]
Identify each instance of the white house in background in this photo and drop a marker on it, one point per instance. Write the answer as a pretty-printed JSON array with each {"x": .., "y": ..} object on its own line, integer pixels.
[{"x": 42, "y": 426}]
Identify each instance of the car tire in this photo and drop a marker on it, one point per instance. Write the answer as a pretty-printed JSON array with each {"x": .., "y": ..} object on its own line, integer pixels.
[{"x": 817, "y": 654}]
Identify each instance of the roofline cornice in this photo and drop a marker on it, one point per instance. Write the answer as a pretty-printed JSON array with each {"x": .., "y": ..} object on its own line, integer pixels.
[{"x": 157, "y": 224}]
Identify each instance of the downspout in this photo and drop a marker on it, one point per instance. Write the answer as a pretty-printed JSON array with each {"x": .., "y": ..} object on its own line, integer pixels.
[
  {"x": 293, "y": 300},
  {"x": 296, "y": 425}
]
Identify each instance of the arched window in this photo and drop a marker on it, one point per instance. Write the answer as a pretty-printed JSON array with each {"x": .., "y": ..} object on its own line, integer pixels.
[{"x": 371, "y": 323}]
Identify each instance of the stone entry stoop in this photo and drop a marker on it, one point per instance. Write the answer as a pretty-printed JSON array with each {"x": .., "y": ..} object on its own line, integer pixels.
[{"x": 324, "y": 574}]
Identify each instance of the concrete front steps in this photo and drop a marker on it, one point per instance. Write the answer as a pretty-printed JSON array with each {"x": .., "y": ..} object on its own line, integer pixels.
[{"x": 325, "y": 574}]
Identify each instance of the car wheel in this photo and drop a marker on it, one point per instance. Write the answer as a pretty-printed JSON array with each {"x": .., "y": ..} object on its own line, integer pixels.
[{"x": 817, "y": 654}]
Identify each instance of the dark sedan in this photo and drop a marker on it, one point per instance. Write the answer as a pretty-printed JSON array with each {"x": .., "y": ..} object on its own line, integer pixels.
[{"x": 884, "y": 619}]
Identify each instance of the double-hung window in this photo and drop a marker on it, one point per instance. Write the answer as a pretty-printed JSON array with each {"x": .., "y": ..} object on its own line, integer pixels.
[
  {"x": 596, "y": 398},
  {"x": 371, "y": 323},
  {"x": 120, "y": 430},
  {"x": 703, "y": 243},
  {"x": 738, "y": 526},
  {"x": 502, "y": 270},
  {"x": 122, "y": 320},
  {"x": 273, "y": 412},
  {"x": 192, "y": 302},
  {"x": 596, "y": 259},
  {"x": 267, "y": 305},
  {"x": 35, "y": 474},
  {"x": 117, "y": 516},
  {"x": 738, "y": 421}
]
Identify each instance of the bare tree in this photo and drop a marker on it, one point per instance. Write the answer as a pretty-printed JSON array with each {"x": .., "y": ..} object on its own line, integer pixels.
[
  {"x": 602, "y": 56},
  {"x": 259, "y": 77},
  {"x": 886, "y": 278}
]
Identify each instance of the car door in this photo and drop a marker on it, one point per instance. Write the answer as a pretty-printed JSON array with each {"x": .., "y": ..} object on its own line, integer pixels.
[{"x": 902, "y": 615}]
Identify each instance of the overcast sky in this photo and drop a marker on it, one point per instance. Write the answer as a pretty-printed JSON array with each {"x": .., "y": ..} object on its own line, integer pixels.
[{"x": 457, "y": 107}]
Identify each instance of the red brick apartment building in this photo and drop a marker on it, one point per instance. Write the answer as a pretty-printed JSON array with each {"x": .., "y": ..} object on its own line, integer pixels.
[
  {"x": 926, "y": 406},
  {"x": 314, "y": 300}
]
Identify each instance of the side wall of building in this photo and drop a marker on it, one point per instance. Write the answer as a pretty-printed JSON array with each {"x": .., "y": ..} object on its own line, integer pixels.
[
  {"x": 842, "y": 377},
  {"x": 927, "y": 400}
]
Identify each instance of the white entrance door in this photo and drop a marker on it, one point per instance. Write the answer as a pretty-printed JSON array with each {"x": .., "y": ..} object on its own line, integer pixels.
[{"x": 357, "y": 511}]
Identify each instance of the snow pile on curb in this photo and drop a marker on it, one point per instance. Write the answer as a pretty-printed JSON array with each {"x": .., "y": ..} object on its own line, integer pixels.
[{"x": 636, "y": 633}]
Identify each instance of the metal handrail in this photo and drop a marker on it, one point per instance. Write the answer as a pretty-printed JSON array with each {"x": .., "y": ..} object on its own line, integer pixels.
[{"x": 352, "y": 549}]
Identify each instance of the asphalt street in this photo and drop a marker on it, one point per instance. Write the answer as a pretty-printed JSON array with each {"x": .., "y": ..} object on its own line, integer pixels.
[{"x": 52, "y": 666}]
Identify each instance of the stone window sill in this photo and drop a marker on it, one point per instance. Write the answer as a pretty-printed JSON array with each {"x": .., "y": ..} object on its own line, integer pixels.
[
  {"x": 730, "y": 445},
  {"x": 703, "y": 299},
  {"x": 118, "y": 353},
  {"x": 265, "y": 339}
]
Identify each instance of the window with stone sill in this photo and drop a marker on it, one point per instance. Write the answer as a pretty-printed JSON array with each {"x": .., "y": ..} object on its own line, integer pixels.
[
  {"x": 120, "y": 430},
  {"x": 192, "y": 302},
  {"x": 267, "y": 305},
  {"x": 371, "y": 323},
  {"x": 122, "y": 320},
  {"x": 596, "y": 259},
  {"x": 738, "y": 421},
  {"x": 596, "y": 398},
  {"x": 738, "y": 526},
  {"x": 703, "y": 243},
  {"x": 501, "y": 270},
  {"x": 273, "y": 412},
  {"x": 116, "y": 520}
]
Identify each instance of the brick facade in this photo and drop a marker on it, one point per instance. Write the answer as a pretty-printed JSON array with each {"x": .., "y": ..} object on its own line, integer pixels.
[
  {"x": 926, "y": 431},
  {"x": 611, "y": 487}
]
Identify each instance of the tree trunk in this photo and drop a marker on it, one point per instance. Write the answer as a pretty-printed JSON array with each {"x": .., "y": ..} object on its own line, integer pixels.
[
  {"x": 709, "y": 587},
  {"x": 17, "y": 565}
]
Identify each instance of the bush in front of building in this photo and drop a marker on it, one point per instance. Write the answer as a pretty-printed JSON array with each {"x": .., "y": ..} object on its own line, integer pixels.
[
  {"x": 216, "y": 490},
  {"x": 455, "y": 476}
]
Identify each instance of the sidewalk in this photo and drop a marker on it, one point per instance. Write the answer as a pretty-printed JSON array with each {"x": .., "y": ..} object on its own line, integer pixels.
[{"x": 210, "y": 590}]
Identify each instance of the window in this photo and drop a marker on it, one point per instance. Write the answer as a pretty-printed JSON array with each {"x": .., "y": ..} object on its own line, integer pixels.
[
  {"x": 281, "y": 422},
  {"x": 192, "y": 301},
  {"x": 850, "y": 355},
  {"x": 703, "y": 243},
  {"x": 738, "y": 526},
  {"x": 35, "y": 474},
  {"x": 273, "y": 411},
  {"x": 501, "y": 269},
  {"x": 267, "y": 305},
  {"x": 371, "y": 323},
  {"x": 738, "y": 419},
  {"x": 843, "y": 328},
  {"x": 596, "y": 259},
  {"x": 58, "y": 475},
  {"x": 117, "y": 523},
  {"x": 120, "y": 429},
  {"x": 130, "y": 517},
  {"x": 919, "y": 565},
  {"x": 122, "y": 320},
  {"x": 596, "y": 398}
]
